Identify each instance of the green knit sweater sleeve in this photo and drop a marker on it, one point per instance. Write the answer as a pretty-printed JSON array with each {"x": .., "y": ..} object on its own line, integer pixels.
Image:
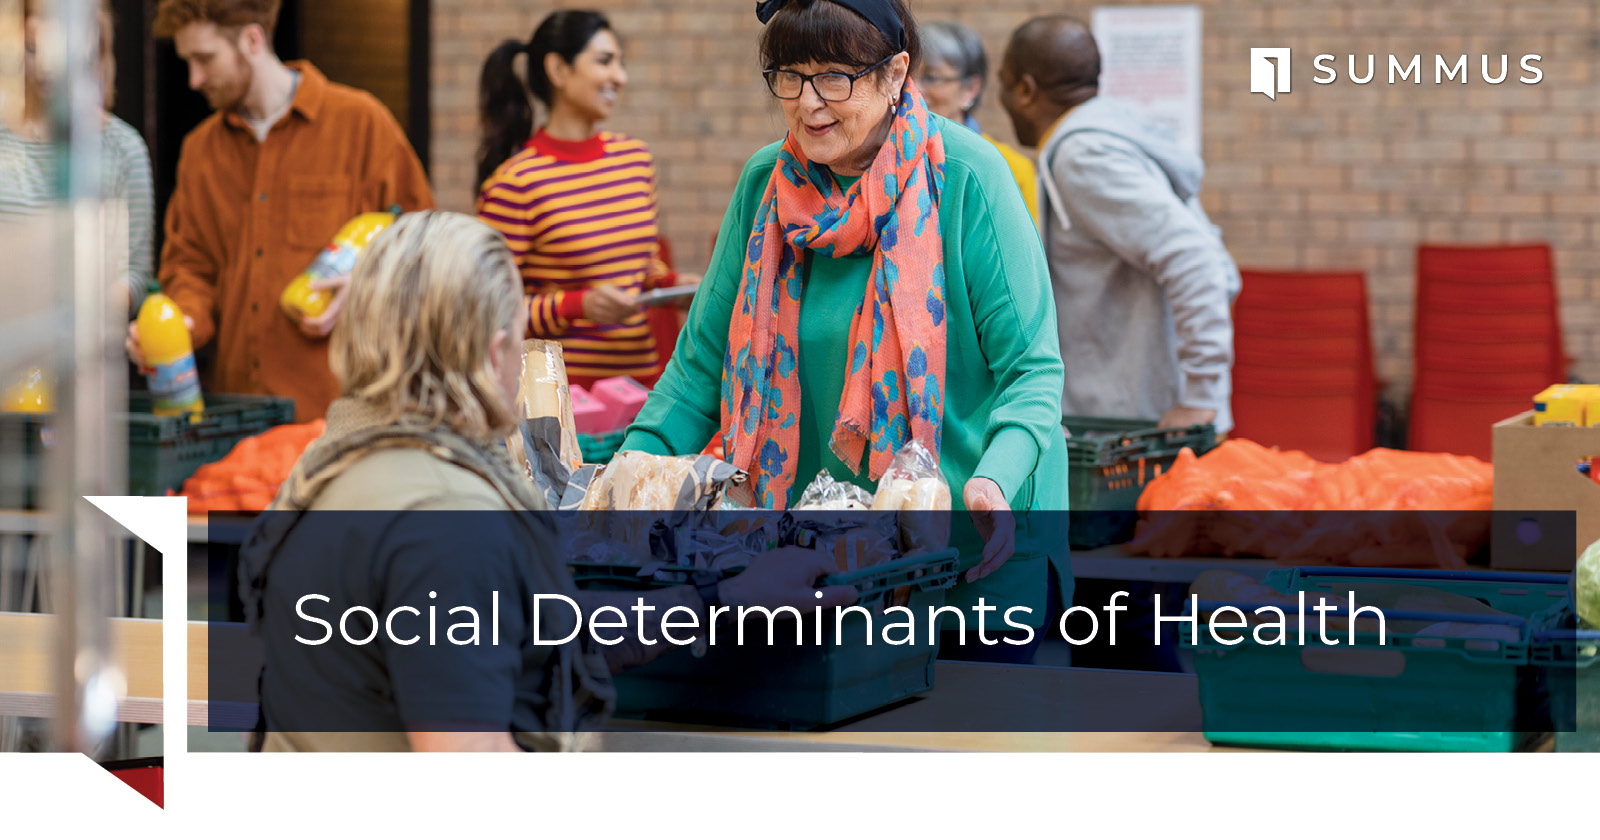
[
  {"x": 1008, "y": 282},
  {"x": 683, "y": 411}
]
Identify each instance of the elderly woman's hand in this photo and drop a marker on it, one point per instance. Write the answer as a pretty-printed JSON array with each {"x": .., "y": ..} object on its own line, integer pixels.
[{"x": 998, "y": 527}]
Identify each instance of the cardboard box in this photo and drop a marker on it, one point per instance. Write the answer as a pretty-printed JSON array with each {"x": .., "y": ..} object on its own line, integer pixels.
[{"x": 1546, "y": 512}]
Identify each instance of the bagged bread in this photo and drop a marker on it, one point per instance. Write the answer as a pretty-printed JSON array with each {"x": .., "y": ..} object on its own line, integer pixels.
[
  {"x": 892, "y": 493},
  {"x": 544, "y": 442},
  {"x": 828, "y": 493},
  {"x": 912, "y": 482},
  {"x": 915, "y": 488},
  {"x": 640, "y": 481}
]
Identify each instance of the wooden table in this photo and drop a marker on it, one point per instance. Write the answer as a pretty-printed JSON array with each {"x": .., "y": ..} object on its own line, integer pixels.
[
  {"x": 1051, "y": 701},
  {"x": 27, "y": 648}
]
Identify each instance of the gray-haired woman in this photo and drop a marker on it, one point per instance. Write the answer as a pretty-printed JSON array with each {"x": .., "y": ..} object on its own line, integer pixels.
[{"x": 955, "y": 70}]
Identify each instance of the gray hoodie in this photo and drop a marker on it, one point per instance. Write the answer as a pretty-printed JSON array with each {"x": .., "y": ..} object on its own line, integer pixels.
[{"x": 1142, "y": 281}]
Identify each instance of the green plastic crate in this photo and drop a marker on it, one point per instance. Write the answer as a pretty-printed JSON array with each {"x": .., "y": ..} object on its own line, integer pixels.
[
  {"x": 162, "y": 451},
  {"x": 1568, "y": 657},
  {"x": 1244, "y": 685},
  {"x": 784, "y": 686},
  {"x": 24, "y": 440},
  {"x": 598, "y": 449},
  {"x": 1109, "y": 462}
]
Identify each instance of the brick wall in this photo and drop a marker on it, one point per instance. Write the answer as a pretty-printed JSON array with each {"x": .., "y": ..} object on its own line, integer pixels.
[{"x": 1341, "y": 175}]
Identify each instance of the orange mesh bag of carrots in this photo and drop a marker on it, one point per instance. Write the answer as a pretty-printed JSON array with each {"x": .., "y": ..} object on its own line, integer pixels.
[
  {"x": 1381, "y": 508},
  {"x": 247, "y": 478}
]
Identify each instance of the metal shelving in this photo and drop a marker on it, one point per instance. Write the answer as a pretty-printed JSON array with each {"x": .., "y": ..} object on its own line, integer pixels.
[{"x": 54, "y": 277}]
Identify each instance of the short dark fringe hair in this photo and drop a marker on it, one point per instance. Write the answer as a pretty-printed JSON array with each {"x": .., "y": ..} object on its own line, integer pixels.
[{"x": 828, "y": 33}]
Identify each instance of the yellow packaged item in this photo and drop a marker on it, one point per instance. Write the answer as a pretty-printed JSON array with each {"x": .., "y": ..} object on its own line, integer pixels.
[
  {"x": 1588, "y": 396},
  {"x": 299, "y": 300},
  {"x": 32, "y": 394},
  {"x": 1558, "y": 405},
  {"x": 169, "y": 353}
]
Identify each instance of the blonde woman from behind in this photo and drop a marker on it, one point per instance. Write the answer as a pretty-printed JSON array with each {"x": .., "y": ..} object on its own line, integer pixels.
[{"x": 427, "y": 354}]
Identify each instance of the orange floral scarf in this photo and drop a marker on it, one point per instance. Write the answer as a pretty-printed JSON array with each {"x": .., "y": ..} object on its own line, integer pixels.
[{"x": 894, "y": 379}]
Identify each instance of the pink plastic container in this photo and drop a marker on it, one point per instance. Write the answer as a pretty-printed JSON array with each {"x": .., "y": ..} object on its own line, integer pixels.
[
  {"x": 591, "y": 416},
  {"x": 622, "y": 396}
]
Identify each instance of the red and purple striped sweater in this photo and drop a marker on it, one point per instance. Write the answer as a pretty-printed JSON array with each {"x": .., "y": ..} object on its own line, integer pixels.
[{"x": 579, "y": 215}]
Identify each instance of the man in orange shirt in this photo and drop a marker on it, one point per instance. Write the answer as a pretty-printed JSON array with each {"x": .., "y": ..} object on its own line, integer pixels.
[{"x": 263, "y": 185}]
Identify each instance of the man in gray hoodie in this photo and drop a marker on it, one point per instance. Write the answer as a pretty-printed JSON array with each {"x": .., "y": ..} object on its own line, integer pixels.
[{"x": 1142, "y": 281}]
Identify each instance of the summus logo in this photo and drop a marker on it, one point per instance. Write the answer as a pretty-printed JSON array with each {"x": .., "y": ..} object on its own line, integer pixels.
[{"x": 1269, "y": 69}]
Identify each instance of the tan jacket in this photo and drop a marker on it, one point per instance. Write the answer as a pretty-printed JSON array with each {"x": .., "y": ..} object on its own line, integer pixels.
[{"x": 407, "y": 479}]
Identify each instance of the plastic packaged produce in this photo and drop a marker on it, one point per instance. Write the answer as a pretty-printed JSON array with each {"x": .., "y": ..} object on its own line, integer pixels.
[
  {"x": 248, "y": 477},
  {"x": 1244, "y": 499}
]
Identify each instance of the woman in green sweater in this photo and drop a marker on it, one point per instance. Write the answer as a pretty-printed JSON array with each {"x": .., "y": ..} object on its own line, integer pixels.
[{"x": 877, "y": 280}]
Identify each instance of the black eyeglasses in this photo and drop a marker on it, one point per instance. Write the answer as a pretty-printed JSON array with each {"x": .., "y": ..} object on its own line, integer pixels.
[{"x": 830, "y": 87}]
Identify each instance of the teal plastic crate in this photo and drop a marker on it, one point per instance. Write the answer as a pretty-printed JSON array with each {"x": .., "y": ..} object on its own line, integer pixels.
[
  {"x": 1482, "y": 689},
  {"x": 1109, "y": 462},
  {"x": 598, "y": 449},
  {"x": 786, "y": 685},
  {"x": 162, "y": 451},
  {"x": 25, "y": 440},
  {"x": 1567, "y": 656}
]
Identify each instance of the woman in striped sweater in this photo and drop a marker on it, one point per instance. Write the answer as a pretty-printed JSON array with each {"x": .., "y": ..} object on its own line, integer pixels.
[{"x": 577, "y": 205}]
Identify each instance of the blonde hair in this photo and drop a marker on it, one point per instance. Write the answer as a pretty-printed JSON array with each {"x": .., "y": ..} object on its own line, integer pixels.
[{"x": 413, "y": 338}]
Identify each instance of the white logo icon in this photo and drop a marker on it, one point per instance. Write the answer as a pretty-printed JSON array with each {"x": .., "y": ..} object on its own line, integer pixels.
[{"x": 1269, "y": 71}]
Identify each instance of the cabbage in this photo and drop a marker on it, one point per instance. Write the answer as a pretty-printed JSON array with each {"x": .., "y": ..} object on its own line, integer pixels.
[{"x": 1586, "y": 586}]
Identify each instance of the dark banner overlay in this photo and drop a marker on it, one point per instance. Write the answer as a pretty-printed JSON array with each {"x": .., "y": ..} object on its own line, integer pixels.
[{"x": 384, "y": 622}]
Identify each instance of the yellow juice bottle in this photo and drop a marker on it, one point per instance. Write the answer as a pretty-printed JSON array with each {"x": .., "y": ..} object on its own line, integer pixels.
[
  {"x": 32, "y": 394},
  {"x": 174, "y": 382},
  {"x": 299, "y": 300}
]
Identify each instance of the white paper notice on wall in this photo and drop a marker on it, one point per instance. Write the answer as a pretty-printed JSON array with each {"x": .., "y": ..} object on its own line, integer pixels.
[{"x": 1150, "y": 56}]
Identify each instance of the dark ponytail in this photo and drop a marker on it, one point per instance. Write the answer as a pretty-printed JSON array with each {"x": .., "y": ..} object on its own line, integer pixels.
[{"x": 503, "y": 99}]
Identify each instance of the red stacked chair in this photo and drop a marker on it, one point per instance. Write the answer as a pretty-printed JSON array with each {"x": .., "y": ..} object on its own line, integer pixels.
[
  {"x": 1488, "y": 338},
  {"x": 1303, "y": 373}
]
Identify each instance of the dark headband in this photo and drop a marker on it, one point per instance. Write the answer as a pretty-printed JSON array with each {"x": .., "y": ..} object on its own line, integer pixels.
[{"x": 879, "y": 13}]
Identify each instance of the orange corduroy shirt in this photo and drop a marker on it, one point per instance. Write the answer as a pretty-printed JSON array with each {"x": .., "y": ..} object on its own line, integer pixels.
[{"x": 247, "y": 217}]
